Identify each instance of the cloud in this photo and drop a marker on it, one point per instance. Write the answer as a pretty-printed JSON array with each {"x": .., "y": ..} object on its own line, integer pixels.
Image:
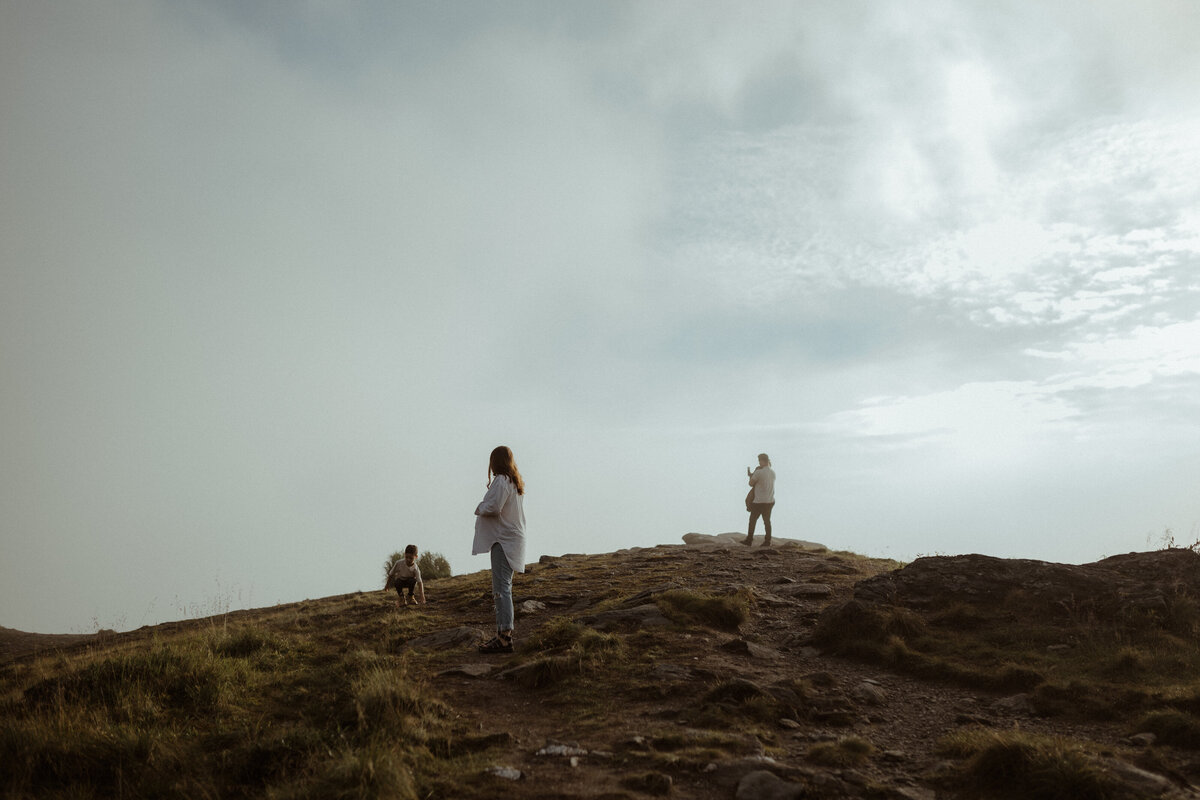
[{"x": 275, "y": 279}]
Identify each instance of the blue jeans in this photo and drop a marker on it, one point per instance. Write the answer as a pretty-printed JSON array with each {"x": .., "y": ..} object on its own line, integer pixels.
[{"x": 502, "y": 589}]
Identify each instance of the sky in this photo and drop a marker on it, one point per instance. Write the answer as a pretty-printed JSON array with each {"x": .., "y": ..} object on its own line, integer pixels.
[{"x": 276, "y": 277}]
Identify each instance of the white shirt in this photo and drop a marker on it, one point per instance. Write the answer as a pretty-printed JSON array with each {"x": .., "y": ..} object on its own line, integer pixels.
[
  {"x": 500, "y": 519},
  {"x": 763, "y": 481},
  {"x": 402, "y": 570}
]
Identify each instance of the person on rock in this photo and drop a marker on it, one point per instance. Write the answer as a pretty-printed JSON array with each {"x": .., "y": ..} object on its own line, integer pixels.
[
  {"x": 500, "y": 531},
  {"x": 761, "y": 498}
]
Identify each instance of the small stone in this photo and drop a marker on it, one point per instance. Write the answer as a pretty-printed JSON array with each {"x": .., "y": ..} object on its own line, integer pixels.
[
  {"x": 869, "y": 694},
  {"x": 507, "y": 773},
  {"x": 789, "y": 723},
  {"x": 1142, "y": 739},
  {"x": 531, "y": 607}
]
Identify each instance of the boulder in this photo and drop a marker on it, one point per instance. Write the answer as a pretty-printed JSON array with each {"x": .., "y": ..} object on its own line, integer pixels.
[{"x": 764, "y": 785}]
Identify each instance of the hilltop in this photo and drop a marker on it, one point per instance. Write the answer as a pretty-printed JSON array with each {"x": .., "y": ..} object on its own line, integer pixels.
[{"x": 700, "y": 670}]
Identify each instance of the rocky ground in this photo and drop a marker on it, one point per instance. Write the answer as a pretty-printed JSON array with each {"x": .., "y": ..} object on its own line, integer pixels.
[
  {"x": 554, "y": 753},
  {"x": 704, "y": 711}
]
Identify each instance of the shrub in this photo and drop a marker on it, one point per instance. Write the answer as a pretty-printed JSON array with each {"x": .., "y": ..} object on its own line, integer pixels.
[{"x": 432, "y": 565}]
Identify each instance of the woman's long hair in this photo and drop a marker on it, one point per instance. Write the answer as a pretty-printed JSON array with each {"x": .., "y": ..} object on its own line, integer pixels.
[{"x": 502, "y": 463}]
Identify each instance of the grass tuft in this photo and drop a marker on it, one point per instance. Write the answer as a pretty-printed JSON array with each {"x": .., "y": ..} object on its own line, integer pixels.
[
  {"x": 388, "y": 701},
  {"x": 1018, "y": 764},
  {"x": 850, "y": 751},
  {"x": 724, "y": 612}
]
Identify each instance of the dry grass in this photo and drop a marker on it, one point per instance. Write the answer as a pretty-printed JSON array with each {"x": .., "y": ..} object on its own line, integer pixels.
[
  {"x": 1017, "y": 764},
  {"x": 723, "y": 612},
  {"x": 218, "y": 713},
  {"x": 850, "y": 751},
  {"x": 1104, "y": 670}
]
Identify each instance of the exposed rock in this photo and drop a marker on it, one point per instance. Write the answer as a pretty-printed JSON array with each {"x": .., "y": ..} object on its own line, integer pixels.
[
  {"x": 468, "y": 670},
  {"x": 1142, "y": 739},
  {"x": 451, "y": 637},
  {"x": 670, "y": 672},
  {"x": 763, "y": 785},
  {"x": 806, "y": 590},
  {"x": 735, "y": 538},
  {"x": 768, "y": 598},
  {"x": 1016, "y": 704},
  {"x": 531, "y": 607},
  {"x": 745, "y": 648},
  {"x": 1141, "y": 782},
  {"x": 556, "y": 749},
  {"x": 910, "y": 793},
  {"x": 868, "y": 693},
  {"x": 648, "y": 615}
]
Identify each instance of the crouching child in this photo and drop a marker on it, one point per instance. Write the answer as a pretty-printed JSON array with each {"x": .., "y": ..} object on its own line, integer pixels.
[{"x": 406, "y": 576}]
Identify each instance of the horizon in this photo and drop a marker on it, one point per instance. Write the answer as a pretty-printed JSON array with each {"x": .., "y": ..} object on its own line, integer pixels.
[{"x": 274, "y": 280}]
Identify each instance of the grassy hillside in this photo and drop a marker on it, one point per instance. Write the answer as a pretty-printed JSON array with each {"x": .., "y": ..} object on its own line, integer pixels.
[{"x": 678, "y": 670}]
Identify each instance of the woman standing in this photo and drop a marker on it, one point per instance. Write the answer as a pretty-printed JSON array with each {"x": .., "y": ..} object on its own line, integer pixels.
[
  {"x": 500, "y": 531},
  {"x": 762, "y": 487}
]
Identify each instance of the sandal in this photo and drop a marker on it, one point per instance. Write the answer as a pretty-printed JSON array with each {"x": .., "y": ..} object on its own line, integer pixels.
[{"x": 497, "y": 645}]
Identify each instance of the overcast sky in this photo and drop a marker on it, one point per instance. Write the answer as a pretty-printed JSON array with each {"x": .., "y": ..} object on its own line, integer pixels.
[{"x": 276, "y": 277}]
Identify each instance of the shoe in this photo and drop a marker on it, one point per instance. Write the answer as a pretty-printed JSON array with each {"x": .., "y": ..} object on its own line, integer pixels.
[
  {"x": 747, "y": 541},
  {"x": 496, "y": 645},
  {"x": 767, "y": 542}
]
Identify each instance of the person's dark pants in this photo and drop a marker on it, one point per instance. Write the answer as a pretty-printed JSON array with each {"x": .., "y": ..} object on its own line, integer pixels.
[
  {"x": 405, "y": 583},
  {"x": 760, "y": 510}
]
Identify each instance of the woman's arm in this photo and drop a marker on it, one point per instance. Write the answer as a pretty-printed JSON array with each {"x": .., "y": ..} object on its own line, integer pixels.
[{"x": 496, "y": 497}]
